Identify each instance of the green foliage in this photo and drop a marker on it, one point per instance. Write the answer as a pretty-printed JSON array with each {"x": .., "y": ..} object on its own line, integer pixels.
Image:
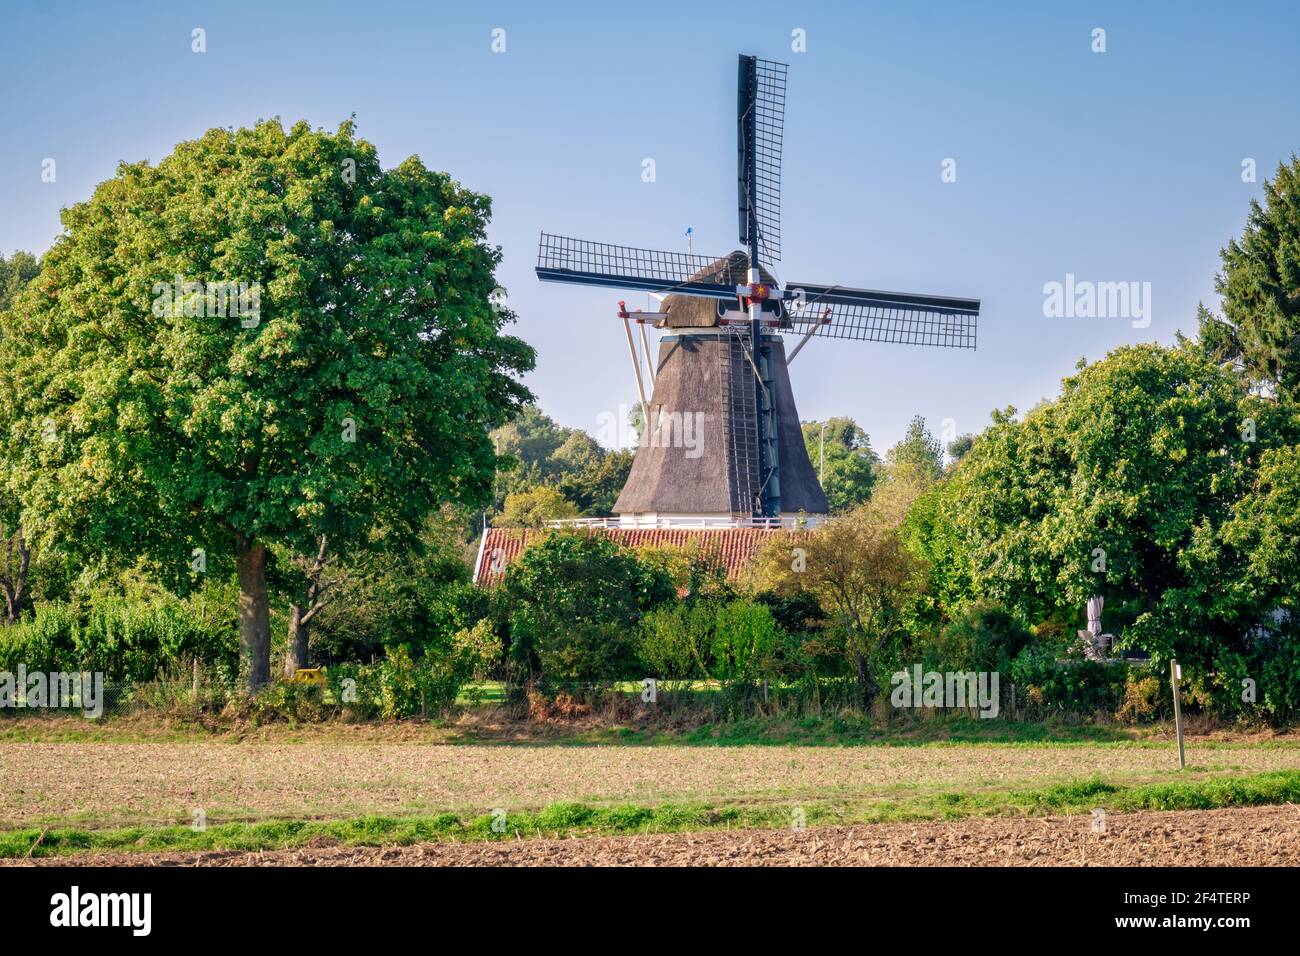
[
  {"x": 533, "y": 507},
  {"x": 1078, "y": 686},
  {"x": 1146, "y": 697},
  {"x": 850, "y": 466},
  {"x": 589, "y": 475},
  {"x": 567, "y": 461},
  {"x": 587, "y": 651},
  {"x": 919, "y": 451},
  {"x": 1265, "y": 529},
  {"x": 797, "y": 612},
  {"x": 1122, "y": 487},
  {"x": 959, "y": 446},
  {"x": 1259, "y": 329},
  {"x": 414, "y": 597},
  {"x": 353, "y": 389},
  {"x": 1268, "y": 662},
  {"x": 128, "y": 640},
  {"x": 1277, "y": 661},
  {"x": 735, "y": 642},
  {"x": 676, "y": 640},
  {"x": 745, "y": 641},
  {"x": 576, "y": 603},
  {"x": 15, "y": 272},
  {"x": 43, "y": 641},
  {"x": 859, "y": 571},
  {"x": 400, "y": 685},
  {"x": 694, "y": 569},
  {"x": 984, "y": 638},
  {"x": 163, "y": 423},
  {"x": 405, "y": 685},
  {"x": 930, "y": 533}
]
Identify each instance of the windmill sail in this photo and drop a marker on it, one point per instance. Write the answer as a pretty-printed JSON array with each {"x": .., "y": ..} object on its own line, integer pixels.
[
  {"x": 874, "y": 316},
  {"x": 761, "y": 126},
  {"x": 562, "y": 259}
]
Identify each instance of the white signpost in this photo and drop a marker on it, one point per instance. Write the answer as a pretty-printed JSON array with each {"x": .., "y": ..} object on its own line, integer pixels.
[{"x": 1175, "y": 679}]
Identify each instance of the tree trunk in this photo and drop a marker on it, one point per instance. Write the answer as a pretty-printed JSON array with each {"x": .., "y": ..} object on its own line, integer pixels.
[
  {"x": 254, "y": 613},
  {"x": 15, "y": 587},
  {"x": 301, "y": 614},
  {"x": 11, "y": 605},
  {"x": 295, "y": 654},
  {"x": 865, "y": 689}
]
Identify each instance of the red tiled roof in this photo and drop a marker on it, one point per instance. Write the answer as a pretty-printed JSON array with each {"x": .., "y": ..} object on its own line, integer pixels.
[{"x": 735, "y": 547}]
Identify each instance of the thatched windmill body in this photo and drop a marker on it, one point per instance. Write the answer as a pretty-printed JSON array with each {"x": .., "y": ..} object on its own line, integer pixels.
[{"x": 720, "y": 440}]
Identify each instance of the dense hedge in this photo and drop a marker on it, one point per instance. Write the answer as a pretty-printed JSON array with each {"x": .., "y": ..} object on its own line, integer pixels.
[{"x": 126, "y": 640}]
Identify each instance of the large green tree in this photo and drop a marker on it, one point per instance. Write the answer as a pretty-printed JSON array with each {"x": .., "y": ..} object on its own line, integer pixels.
[
  {"x": 15, "y": 552},
  {"x": 918, "y": 451},
  {"x": 840, "y": 452},
  {"x": 1259, "y": 327},
  {"x": 351, "y": 387},
  {"x": 1123, "y": 487}
]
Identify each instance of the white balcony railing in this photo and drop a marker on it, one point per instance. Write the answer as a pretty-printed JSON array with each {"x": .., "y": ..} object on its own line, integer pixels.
[{"x": 689, "y": 521}]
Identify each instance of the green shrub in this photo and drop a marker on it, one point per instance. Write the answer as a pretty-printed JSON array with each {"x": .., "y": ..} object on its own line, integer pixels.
[
  {"x": 1146, "y": 698},
  {"x": 42, "y": 641},
  {"x": 798, "y": 612},
  {"x": 133, "y": 642},
  {"x": 1278, "y": 689},
  {"x": 471, "y": 653},
  {"x": 1072, "y": 684},
  {"x": 400, "y": 685},
  {"x": 129, "y": 640},
  {"x": 403, "y": 685},
  {"x": 745, "y": 640},
  {"x": 986, "y": 637},
  {"x": 355, "y": 688},
  {"x": 288, "y": 701},
  {"x": 1272, "y": 661},
  {"x": 676, "y": 640},
  {"x": 576, "y": 603}
]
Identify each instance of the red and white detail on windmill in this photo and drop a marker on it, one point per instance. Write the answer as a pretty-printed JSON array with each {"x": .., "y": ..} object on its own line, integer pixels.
[{"x": 746, "y": 295}]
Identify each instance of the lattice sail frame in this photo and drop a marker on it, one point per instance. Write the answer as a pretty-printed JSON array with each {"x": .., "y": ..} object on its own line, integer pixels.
[
  {"x": 564, "y": 259},
  {"x": 767, "y": 130},
  {"x": 869, "y": 315}
]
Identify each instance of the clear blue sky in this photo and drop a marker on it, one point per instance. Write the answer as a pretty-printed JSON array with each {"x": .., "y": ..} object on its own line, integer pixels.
[{"x": 1118, "y": 166}]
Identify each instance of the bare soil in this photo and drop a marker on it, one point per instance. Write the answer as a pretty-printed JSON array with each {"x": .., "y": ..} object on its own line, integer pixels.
[
  {"x": 491, "y": 725},
  {"x": 105, "y": 785},
  {"x": 1254, "y": 836}
]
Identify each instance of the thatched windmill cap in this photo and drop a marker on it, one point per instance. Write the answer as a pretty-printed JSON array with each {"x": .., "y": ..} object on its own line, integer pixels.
[{"x": 693, "y": 312}]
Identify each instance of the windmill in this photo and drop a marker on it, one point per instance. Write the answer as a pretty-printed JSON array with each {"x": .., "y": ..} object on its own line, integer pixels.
[{"x": 723, "y": 358}]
